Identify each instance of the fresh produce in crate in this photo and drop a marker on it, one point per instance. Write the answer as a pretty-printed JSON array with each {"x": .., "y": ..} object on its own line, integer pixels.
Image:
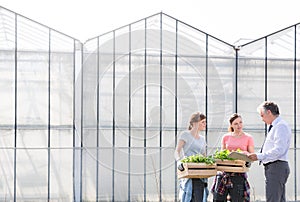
[
  {"x": 197, "y": 166},
  {"x": 226, "y": 163}
]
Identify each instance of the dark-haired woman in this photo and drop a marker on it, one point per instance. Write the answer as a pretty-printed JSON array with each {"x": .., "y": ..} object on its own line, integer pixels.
[{"x": 234, "y": 185}]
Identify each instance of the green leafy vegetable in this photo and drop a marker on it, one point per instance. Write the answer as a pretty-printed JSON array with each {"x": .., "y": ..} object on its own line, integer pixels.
[
  {"x": 223, "y": 154},
  {"x": 199, "y": 158}
]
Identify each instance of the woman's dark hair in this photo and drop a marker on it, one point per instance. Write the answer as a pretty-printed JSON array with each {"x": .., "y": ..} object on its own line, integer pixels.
[
  {"x": 196, "y": 117},
  {"x": 231, "y": 119}
]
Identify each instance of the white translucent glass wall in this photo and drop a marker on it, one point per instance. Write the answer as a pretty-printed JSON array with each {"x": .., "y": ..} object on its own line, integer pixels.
[
  {"x": 140, "y": 85},
  {"x": 37, "y": 110}
]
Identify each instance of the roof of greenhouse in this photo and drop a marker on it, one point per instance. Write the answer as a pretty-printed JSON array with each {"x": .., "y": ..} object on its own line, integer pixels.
[{"x": 229, "y": 21}]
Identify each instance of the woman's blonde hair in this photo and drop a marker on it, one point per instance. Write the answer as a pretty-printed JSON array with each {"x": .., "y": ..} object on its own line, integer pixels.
[{"x": 196, "y": 117}]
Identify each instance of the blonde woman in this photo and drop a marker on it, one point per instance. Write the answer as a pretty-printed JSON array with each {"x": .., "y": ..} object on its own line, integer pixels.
[{"x": 190, "y": 142}]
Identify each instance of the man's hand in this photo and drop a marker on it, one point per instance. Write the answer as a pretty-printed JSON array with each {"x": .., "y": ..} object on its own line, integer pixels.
[{"x": 253, "y": 156}]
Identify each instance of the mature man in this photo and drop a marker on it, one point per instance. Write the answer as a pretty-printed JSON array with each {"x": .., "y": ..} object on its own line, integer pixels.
[{"x": 274, "y": 152}]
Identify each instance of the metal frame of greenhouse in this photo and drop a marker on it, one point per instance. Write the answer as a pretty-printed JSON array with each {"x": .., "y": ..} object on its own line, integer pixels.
[{"x": 99, "y": 120}]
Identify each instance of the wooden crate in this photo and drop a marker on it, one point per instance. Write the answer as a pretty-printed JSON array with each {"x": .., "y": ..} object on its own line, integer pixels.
[
  {"x": 234, "y": 166},
  {"x": 197, "y": 170}
]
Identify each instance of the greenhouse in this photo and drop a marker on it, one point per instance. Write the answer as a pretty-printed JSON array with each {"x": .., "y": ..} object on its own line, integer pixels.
[{"x": 99, "y": 120}]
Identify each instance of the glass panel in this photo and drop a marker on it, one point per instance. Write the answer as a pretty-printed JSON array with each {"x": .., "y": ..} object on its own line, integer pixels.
[
  {"x": 61, "y": 175},
  {"x": 137, "y": 174},
  {"x": 122, "y": 86},
  {"x": 89, "y": 179},
  {"x": 297, "y": 115},
  {"x": 61, "y": 80},
  {"x": 32, "y": 138},
  {"x": 61, "y": 138},
  {"x": 168, "y": 181},
  {"x": 282, "y": 44},
  {"x": 153, "y": 83},
  {"x": 90, "y": 110},
  {"x": 31, "y": 179},
  {"x": 153, "y": 181},
  {"x": 281, "y": 72},
  {"x": 33, "y": 71},
  {"x": 121, "y": 174},
  {"x": 281, "y": 87},
  {"x": 7, "y": 171},
  {"x": 105, "y": 180},
  {"x": 190, "y": 75},
  {"x": 7, "y": 67},
  {"x": 251, "y": 83},
  {"x": 7, "y": 27},
  {"x": 220, "y": 91},
  {"x": 106, "y": 86},
  {"x": 7, "y": 88},
  {"x": 137, "y": 98},
  {"x": 153, "y": 101},
  {"x": 257, "y": 183}
]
